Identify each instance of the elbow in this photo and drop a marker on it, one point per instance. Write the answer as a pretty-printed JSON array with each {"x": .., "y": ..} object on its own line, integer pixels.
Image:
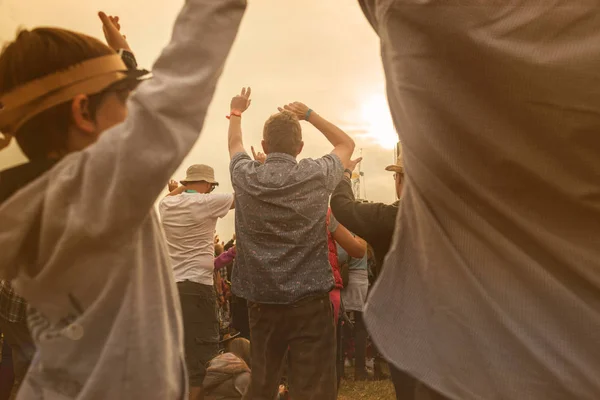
[{"x": 358, "y": 252}]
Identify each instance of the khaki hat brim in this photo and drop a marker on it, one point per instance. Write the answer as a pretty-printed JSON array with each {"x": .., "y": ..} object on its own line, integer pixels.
[
  {"x": 394, "y": 168},
  {"x": 203, "y": 180}
]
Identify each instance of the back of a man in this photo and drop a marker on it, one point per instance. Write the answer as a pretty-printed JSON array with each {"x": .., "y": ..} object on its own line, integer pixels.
[
  {"x": 282, "y": 266},
  {"x": 189, "y": 216},
  {"x": 492, "y": 286}
]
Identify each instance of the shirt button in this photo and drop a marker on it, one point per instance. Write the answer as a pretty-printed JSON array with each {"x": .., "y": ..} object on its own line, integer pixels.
[{"x": 74, "y": 332}]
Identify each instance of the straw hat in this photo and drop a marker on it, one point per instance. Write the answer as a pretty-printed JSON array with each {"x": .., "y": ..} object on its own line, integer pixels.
[
  {"x": 200, "y": 173},
  {"x": 397, "y": 167}
]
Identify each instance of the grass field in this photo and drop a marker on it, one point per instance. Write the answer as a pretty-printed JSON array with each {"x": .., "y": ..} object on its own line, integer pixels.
[{"x": 372, "y": 390}]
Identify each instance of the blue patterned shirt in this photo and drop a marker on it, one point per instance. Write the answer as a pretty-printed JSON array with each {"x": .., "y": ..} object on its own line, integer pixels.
[{"x": 280, "y": 220}]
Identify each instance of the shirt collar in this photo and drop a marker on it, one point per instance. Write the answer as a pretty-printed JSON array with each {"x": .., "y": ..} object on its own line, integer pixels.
[
  {"x": 278, "y": 157},
  {"x": 191, "y": 191}
]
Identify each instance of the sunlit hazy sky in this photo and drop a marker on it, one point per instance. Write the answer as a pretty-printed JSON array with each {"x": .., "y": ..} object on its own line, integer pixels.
[{"x": 323, "y": 53}]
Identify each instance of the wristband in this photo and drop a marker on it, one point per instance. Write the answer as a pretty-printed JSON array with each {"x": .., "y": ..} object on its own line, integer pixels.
[
  {"x": 236, "y": 113},
  {"x": 307, "y": 116},
  {"x": 348, "y": 171}
]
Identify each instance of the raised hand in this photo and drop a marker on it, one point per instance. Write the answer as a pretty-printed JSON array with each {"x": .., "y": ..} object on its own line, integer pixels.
[
  {"x": 260, "y": 156},
  {"x": 242, "y": 101},
  {"x": 173, "y": 185},
  {"x": 297, "y": 108},
  {"x": 112, "y": 32},
  {"x": 353, "y": 163},
  {"x": 5, "y": 141}
]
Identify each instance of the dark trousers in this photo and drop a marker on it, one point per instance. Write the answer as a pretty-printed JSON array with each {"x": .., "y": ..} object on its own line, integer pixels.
[
  {"x": 360, "y": 346},
  {"x": 16, "y": 335},
  {"x": 423, "y": 392},
  {"x": 306, "y": 330},
  {"x": 200, "y": 328},
  {"x": 239, "y": 316},
  {"x": 404, "y": 384}
]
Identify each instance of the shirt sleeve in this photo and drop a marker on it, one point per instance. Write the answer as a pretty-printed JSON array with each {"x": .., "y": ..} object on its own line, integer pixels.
[
  {"x": 332, "y": 169},
  {"x": 370, "y": 221},
  {"x": 131, "y": 162},
  {"x": 220, "y": 204},
  {"x": 333, "y": 223},
  {"x": 241, "y": 164}
]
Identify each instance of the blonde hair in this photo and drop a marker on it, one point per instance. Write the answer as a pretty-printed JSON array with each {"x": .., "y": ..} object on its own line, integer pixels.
[
  {"x": 33, "y": 55},
  {"x": 241, "y": 348},
  {"x": 282, "y": 133}
]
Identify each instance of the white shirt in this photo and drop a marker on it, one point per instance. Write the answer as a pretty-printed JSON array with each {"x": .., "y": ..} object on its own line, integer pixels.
[
  {"x": 95, "y": 269},
  {"x": 491, "y": 289},
  {"x": 189, "y": 222}
]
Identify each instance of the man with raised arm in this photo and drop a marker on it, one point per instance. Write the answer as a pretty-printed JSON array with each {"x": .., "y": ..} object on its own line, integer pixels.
[
  {"x": 282, "y": 265},
  {"x": 189, "y": 215},
  {"x": 80, "y": 239}
]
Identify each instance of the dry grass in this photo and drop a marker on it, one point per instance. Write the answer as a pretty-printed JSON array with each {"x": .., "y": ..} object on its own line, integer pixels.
[{"x": 370, "y": 390}]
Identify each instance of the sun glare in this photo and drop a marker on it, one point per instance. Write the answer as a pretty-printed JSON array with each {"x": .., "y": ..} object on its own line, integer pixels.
[{"x": 379, "y": 126}]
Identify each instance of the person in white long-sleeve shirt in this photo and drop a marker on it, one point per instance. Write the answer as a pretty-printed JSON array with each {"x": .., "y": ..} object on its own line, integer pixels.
[{"x": 80, "y": 239}]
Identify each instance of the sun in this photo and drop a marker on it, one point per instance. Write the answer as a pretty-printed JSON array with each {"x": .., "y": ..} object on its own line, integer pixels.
[{"x": 375, "y": 112}]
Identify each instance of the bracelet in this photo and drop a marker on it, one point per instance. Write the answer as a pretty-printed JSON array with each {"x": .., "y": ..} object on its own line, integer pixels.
[
  {"x": 307, "y": 116},
  {"x": 348, "y": 171},
  {"x": 236, "y": 113}
]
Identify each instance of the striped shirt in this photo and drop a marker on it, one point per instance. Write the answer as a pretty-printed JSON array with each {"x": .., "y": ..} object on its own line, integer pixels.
[{"x": 491, "y": 289}]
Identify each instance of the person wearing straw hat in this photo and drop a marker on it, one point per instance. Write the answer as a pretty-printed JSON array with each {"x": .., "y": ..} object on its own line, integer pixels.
[{"x": 189, "y": 215}]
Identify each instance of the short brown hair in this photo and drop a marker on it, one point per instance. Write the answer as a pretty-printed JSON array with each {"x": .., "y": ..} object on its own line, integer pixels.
[
  {"x": 33, "y": 55},
  {"x": 282, "y": 133}
]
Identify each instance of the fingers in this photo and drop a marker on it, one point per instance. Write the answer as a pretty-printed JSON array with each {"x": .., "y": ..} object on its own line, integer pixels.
[
  {"x": 359, "y": 159},
  {"x": 243, "y": 93},
  {"x": 253, "y": 152},
  {"x": 104, "y": 18},
  {"x": 248, "y": 92}
]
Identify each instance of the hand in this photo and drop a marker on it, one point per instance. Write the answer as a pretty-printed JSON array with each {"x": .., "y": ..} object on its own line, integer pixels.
[
  {"x": 353, "y": 163},
  {"x": 217, "y": 239},
  {"x": 242, "y": 101},
  {"x": 173, "y": 185},
  {"x": 260, "y": 156},
  {"x": 233, "y": 237},
  {"x": 5, "y": 141},
  {"x": 112, "y": 32},
  {"x": 297, "y": 108}
]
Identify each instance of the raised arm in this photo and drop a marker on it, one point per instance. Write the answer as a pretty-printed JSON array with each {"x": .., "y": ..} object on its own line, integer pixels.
[
  {"x": 367, "y": 220},
  {"x": 343, "y": 145},
  {"x": 239, "y": 104},
  {"x": 131, "y": 161},
  {"x": 354, "y": 246}
]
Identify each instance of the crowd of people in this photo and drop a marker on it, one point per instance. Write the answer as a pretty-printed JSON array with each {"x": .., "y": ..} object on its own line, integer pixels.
[{"x": 484, "y": 273}]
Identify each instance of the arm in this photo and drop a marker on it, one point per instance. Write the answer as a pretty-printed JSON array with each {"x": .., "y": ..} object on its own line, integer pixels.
[
  {"x": 343, "y": 145},
  {"x": 239, "y": 104},
  {"x": 130, "y": 161},
  {"x": 367, "y": 220},
  {"x": 175, "y": 189},
  {"x": 355, "y": 247},
  {"x": 225, "y": 258}
]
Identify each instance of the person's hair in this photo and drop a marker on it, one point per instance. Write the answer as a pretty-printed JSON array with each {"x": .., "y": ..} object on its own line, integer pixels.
[
  {"x": 282, "y": 133},
  {"x": 33, "y": 55},
  {"x": 218, "y": 249},
  {"x": 241, "y": 348}
]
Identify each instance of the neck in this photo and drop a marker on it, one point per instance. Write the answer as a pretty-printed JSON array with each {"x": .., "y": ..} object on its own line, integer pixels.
[{"x": 198, "y": 187}]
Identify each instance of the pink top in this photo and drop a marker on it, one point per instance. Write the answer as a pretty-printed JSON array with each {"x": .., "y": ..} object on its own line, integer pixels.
[{"x": 225, "y": 258}]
